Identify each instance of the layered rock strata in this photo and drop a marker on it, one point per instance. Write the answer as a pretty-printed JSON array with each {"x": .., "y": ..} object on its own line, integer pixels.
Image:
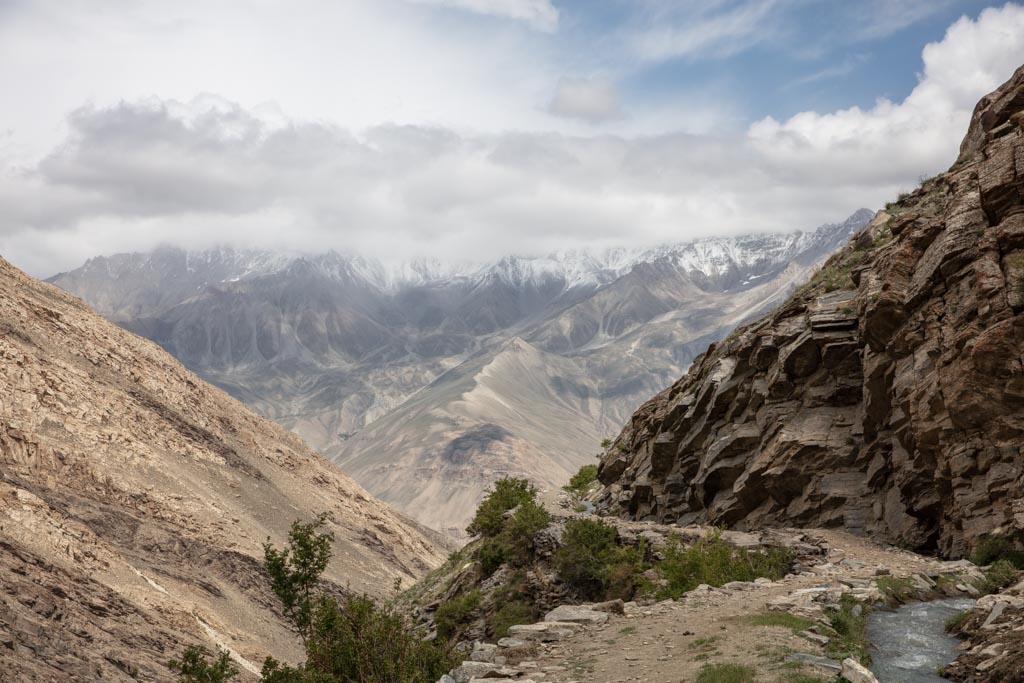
[{"x": 886, "y": 396}]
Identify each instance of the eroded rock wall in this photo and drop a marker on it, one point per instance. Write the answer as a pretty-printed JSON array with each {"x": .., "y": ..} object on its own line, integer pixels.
[{"x": 886, "y": 396}]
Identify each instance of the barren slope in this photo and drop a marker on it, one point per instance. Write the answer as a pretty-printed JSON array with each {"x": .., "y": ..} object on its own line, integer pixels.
[{"x": 134, "y": 499}]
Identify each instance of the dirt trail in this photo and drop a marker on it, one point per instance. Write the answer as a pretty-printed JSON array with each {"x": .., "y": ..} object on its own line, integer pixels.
[{"x": 671, "y": 642}]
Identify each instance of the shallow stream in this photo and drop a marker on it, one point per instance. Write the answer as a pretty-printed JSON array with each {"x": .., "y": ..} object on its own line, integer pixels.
[{"x": 911, "y": 643}]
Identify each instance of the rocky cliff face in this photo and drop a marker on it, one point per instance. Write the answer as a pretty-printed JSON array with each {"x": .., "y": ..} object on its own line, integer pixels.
[
  {"x": 886, "y": 396},
  {"x": 135, "y": 498}
]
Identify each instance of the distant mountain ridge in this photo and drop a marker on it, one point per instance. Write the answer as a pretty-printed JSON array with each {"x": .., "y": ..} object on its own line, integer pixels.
[{"x": 339, "y": 347}]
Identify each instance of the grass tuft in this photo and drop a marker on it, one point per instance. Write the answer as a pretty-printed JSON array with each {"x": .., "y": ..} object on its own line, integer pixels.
[{"x": 726, "y": 673}]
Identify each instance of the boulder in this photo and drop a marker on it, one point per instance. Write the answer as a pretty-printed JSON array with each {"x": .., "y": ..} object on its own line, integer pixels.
[
  {"x": 576, "y": 614},
  {"x": 855, "y": 672}
]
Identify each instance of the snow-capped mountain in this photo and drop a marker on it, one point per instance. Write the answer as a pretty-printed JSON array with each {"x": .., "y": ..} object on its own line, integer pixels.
[{"x": 383, "y": 366}]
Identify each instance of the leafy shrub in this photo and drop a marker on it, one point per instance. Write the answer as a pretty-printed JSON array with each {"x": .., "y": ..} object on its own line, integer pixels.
[
  {"x": 350, "y": 640},
  {"x": 491, "y": 554},
  {"x": 295, "y": 571},
  {"x": 357, "y": 640},
  {"x": 593, "y": 566},
  {"x": 193, "y": 667},
  {"x": 511, "y": 605},
  {"x": 455, "y": 613},
  {"x": 521, "y": 528},
  {"x": 996, "y": 547},
  {"x": 507, "y": 494},
  {"x": 850, "y": 622},
  {"x": 1000, "y": 575},
  {"x": 605, "y": 443},
  {"x": 726, "y": 673},
  {"x": 581, "y": 481},
  {"x": 712, "y": 561},
  {"x": 508, "y": 538}
]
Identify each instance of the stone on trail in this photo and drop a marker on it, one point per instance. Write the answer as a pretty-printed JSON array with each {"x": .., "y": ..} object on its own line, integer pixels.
[
  {"x": 855, "y": 672},
  {"x": 576, "y": 614}
]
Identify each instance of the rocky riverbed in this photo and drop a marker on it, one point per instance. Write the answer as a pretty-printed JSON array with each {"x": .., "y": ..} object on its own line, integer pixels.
[{"x": 671, "y": 641}]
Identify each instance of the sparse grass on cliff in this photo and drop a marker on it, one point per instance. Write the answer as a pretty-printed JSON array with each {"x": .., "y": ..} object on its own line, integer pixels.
[
  {"x": 849, "y": 620},
  {"x": 955, "y": 622},
  {"x": 897, "y": 591}
]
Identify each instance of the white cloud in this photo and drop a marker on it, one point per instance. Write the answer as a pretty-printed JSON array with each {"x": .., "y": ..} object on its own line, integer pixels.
[
  {"x": 895, "y": 140},
  {"x": 591, "y": 99},
  {"x": 198, "y": 172},
  {"x": 541, "y": 15},
  {"x": 702, "y": 30}
]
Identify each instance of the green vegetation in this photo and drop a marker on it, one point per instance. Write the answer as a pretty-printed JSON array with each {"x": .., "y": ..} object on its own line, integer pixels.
[
  {"x": 347, "y": 640},
  {"x": 605, "y": 443},
  {"x": 1000, "y": 575},
  {"x": 850, "y": 622},
  {"x": 507, "y": 494},
  {"x": 453, "y": 614},
  {"x": 712, "y": 561},
  {"x": 726, "y": 673},
  {"x": 581, "y": 481},
  {"x": 897, "y": 591},
  {"x": 508, "y": 538},
  {"x": 956, "y": 622},
  {"x": 783, "y": 619},
  {"x": 994, "y": 547},
  {"x": 195, "y": 668},
  {"x": 593, "y": 565},
  {"x": 511, "y": 605}
]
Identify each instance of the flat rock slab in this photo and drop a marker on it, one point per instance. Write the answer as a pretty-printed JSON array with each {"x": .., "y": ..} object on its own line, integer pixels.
[{"x": 576, "y": 614}]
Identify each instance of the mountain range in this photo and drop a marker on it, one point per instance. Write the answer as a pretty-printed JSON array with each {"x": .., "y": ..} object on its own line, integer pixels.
[{"x": 428, "y": 380}]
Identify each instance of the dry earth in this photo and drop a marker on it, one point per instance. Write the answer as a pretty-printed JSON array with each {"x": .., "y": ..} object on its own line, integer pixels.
[{"x": 670, "y": 642}]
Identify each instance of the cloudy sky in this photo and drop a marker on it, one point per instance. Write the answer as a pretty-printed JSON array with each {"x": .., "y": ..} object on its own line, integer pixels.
[{"x": 472, "y": 128}]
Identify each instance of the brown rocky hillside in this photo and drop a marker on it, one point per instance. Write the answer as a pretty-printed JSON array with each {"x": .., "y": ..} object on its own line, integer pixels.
[
  {"x": 134, "y": 500},
  {"x": 887, "y": 396}
]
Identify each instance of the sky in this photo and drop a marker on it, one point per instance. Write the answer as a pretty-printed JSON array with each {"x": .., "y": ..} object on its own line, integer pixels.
[{"x": 472, "y": 129}]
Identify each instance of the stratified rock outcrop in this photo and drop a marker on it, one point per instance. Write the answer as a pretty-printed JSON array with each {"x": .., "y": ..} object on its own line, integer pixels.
[
  {"x": 886, "y": 396},
  {"x": 135, "y": 499}
]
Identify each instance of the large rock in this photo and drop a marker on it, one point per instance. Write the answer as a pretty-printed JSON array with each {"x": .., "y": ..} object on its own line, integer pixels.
[
  {"x": 855, "y": 672},
  {"x": 887, "y": 396},
  {"x": 576, "y": 615}
]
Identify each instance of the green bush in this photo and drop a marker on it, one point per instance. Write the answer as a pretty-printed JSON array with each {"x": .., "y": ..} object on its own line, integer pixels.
[
  {"x": 508, "y": 538},
  {"x": 997, "y": 547},
  {"x": 521, "y": 528},
  {"x": 507, "y": 494},
  {"x": 897, "y": 591},
  {"x": 1000, "y": 575},
  {"x": 593, "y": 565},
  {"x": 193, "y": 667},
  {"x": 511, "y": 605},
  {"x": 491, "y": 554},
  {"x": 346, "y": 641},
  {"x": 452, "y": 615},
  {"x": 581, "y": 481},
  {"x": 358, "y": 640},
  {"x": 712, "y": 561}
]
